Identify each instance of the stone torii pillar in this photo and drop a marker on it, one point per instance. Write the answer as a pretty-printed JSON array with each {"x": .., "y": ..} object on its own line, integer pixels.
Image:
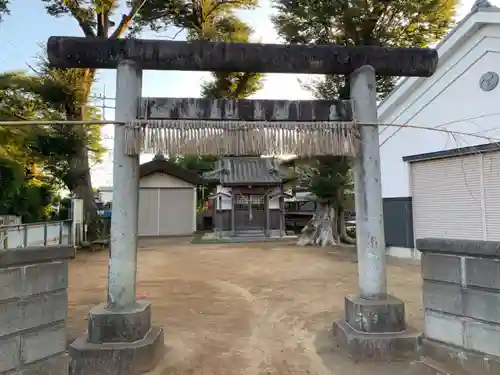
[
  {"x": 124, "y": 236},
  {"x": 374, "y": 325},
  {"x": 120, "y": 339},
  {"x": 368, "y": 316},
  {"x": 369, "y": 218}
]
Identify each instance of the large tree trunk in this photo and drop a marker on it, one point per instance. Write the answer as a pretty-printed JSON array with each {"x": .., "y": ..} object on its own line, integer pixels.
[
  {"x": 79, "y": 180},
  {"x": 82, "y": 188},
  {"x": 321, "y": 230},
  {"x": 83, "y": 185}
]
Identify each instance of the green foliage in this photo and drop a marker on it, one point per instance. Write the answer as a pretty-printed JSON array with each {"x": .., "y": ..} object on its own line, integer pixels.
[
  {"x": 232, "y": 85},
  {"x": 56, "y": 146},
  {"x": 71, "y": 89},
  {"x": 50, "y": 94},
  {"x": 4, "y": 8},
  {"x": 17, "y": 103},
  {"x": 23, "y": 190},
  {"x": 198, "y": 164},
  {"x": 64, "y": 208},
  {"x": 23, "y": 193},
  {"x": 213, "y": 20},
  {"x": 11, "y": 182},
  {"x": 61, "y": 152},
  {"x": 33, "y": 202},
  {"x": 66, "y": 90},
  {"x": 93, "y": 17},
  {"x": 35, "y": 160},
  {"x": 330, "y": 172},
  {"x": 328, "y": 178},
  {"x": 204, "y": 19},
  {"x": 201, "y": 18},
  {"x": 402, "y": 23}
]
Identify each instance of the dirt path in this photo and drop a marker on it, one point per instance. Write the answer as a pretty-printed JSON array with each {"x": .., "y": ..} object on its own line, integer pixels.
[{"x": 244, "y": 309}]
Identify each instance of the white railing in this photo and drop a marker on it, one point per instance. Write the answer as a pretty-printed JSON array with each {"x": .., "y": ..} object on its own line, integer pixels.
[{"x": 35, "y": 234}]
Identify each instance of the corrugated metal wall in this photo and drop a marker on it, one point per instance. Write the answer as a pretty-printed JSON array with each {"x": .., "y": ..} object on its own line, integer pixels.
[
  {"x": 148, "y": 212},
  {"x": 167, "y": 206},
  {"x": 457, "y": 197},
  {"x": 491, "y": 183},
  {"x": 176, "y": 209},
  {"x": 447, "y": 198}
]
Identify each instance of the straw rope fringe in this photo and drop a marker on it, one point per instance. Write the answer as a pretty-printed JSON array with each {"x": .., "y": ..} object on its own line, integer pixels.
[{"x": 210, "y": 137}]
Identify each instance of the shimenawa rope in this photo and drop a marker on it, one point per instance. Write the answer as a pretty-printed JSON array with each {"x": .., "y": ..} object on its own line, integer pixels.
[{"x": 223, "y": 137}]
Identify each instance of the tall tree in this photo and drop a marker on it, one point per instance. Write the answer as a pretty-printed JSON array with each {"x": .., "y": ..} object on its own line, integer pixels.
[
  {"x": 12, "y": 139},
  {"x": 25, "y": 190},
  {"x": 94, "y": 19},
  {"x": 64, "y": 91},
  {"x": 200, "y": 165},
  {"x": 329, "y": 179},
  {"x": 213, "y": 20},
  {"x": 402, "y": 23},
  {"x": 52, "y": 94},
  {"x": 232, "y": 85}
]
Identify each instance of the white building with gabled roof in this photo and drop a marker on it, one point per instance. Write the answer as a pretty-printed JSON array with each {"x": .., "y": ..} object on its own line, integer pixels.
[{"x": 462, "y": 96}]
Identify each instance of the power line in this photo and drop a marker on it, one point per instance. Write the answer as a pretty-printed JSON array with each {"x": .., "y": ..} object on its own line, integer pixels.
[
  {"x": 146, "y": 122},
  {"x": 439, "y": 127}
]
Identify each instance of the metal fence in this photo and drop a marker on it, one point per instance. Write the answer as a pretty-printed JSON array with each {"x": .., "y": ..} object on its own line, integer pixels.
[{"x": 36, "y": 234}]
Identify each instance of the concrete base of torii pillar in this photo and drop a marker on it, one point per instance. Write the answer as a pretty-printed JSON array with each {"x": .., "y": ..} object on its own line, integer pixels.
[
  {"x": 120, "y": 338},
  {"x": 376, "y": 330},
  {"x": 374, "y": 326},
  {"x": 118, "y": 342}
]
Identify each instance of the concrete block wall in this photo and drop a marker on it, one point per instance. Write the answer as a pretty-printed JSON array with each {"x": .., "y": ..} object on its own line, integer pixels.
[
  {"x": 33, "y": 310},
  {"x": 461, "y": 293}
]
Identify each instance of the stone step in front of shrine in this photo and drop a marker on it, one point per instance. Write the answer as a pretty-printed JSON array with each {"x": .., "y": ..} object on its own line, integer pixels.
[
  {"x": 249, "y": 236},
  {"x": 249, "y": 233}
]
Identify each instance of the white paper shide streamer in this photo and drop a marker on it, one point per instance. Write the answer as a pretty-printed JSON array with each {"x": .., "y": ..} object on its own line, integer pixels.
[{"x": 239, "y": 138}]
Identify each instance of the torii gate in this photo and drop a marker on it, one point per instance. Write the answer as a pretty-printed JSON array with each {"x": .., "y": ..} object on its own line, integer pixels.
[{"x": 120, "y": 338}]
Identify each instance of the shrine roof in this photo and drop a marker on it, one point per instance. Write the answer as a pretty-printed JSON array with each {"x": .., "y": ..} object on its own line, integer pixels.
[
  {"x": 169, "y": 168},
  {"x": 248, "y": 170}
]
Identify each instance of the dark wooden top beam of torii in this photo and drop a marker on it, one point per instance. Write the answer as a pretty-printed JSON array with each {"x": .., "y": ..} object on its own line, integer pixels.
[{"x": 79, "y": 52}]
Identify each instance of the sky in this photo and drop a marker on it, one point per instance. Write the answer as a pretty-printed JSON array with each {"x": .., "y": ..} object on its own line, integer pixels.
[{"x": 20, "y": 43}]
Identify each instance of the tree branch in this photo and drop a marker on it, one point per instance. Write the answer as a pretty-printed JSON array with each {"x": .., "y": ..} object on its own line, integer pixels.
[
  {"x": 224, "y": 2},
  {"x": 241, "y": 85},
  {"x": 126, "y": 19},
  {"x": 177, "y": 33},
  {"x": 84, "y": 25}
]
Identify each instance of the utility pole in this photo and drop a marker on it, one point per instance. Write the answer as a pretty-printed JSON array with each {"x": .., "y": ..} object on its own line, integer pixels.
[{"x": 102, "y": 105}]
